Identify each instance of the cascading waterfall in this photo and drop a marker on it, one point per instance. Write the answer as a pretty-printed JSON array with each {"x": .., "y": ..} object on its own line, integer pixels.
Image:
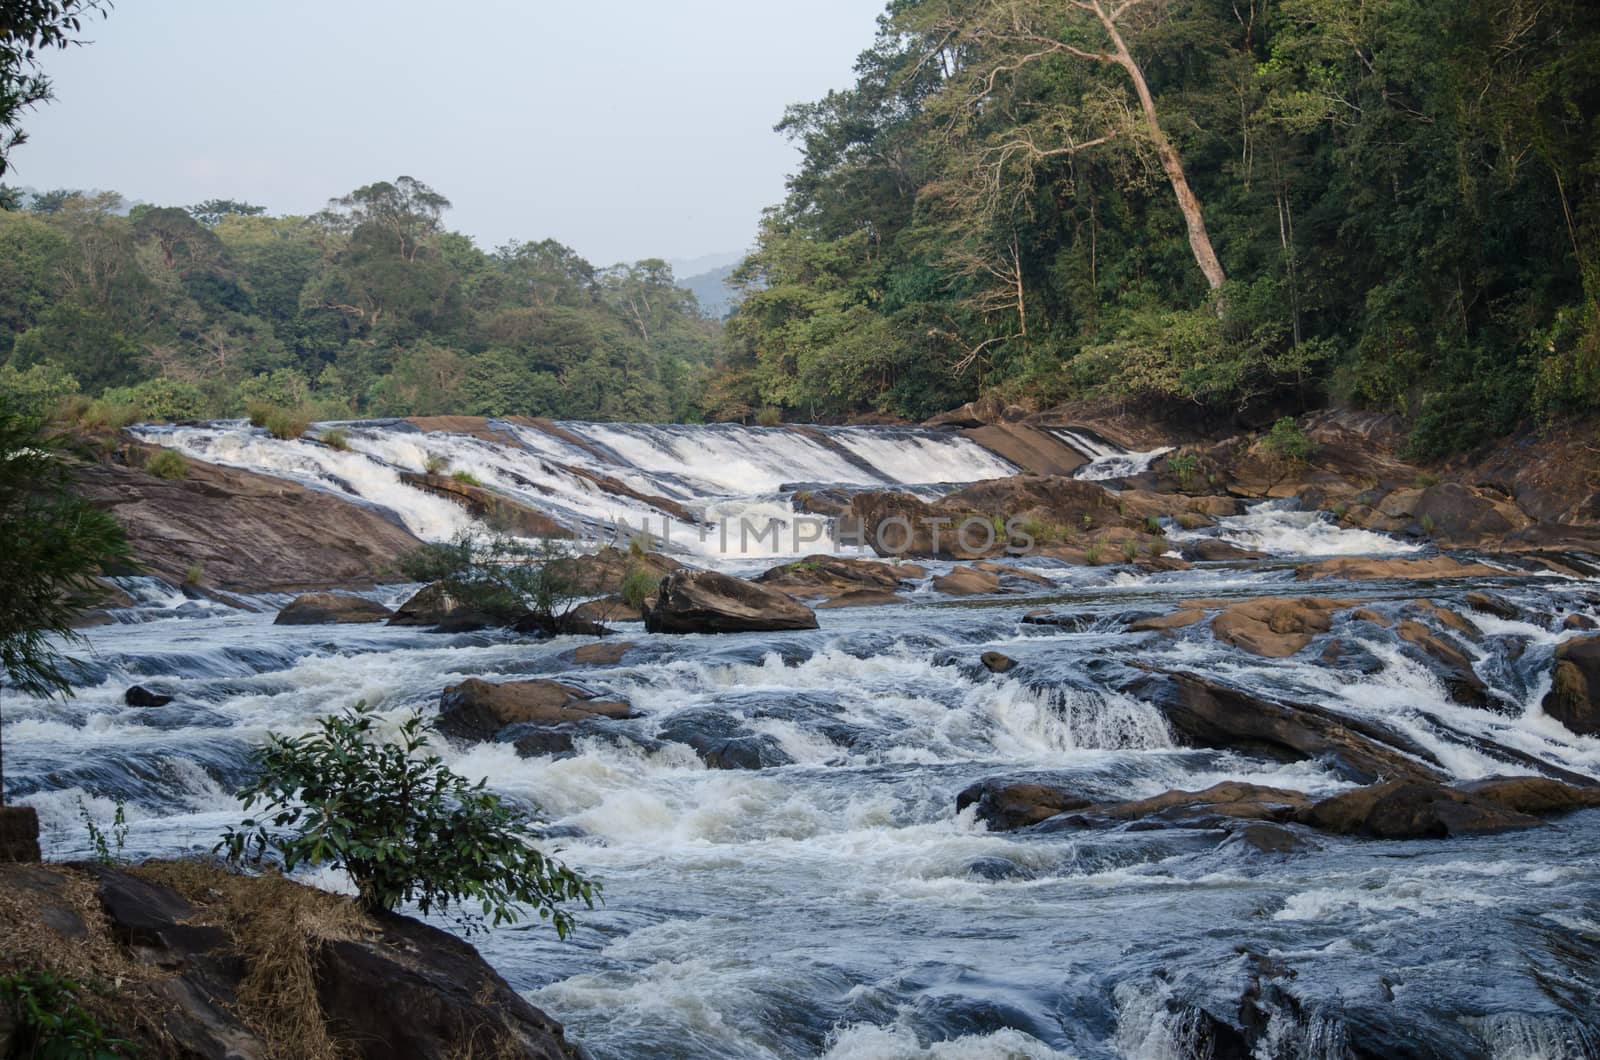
[{"x": 833, "y": 903}]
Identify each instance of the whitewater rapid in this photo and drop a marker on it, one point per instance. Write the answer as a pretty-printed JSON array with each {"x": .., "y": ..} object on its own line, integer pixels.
[{"x": 834, "y": 903}]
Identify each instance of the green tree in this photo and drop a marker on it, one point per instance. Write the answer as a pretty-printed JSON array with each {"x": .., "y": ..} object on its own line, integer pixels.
[{"x": 392, "y": 815}]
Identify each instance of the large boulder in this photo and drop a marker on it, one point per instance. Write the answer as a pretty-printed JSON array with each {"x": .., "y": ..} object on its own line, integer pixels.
[
  {"x": 691, "y": 601},
  {"x": 312, "y": 609},
  {"x": 1574, "y": 696},
  {"x": 967, "y": 581},
  {"x": 437, "y": 606},
  {"x": 1005, "y": 805},
  {"x": 478, "y": 710},
  {"x": 1275, "y": 627},
  {"x": 1412, "y": 809}
]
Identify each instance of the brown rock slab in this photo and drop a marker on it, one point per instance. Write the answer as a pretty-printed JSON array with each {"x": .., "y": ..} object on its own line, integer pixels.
[
  {"x": 967, "y": 581},
  {"x": 1574, "y": 696},
  {"x": 477, "y": 710},
  {"x": 310, "y": 609},
  {"x": 713, "y": 602},
  {"x": 862, "y": 598},
  {"x": 1356, "y": 568},
  {"x": 601, "y": 653},
  {"x": 997, "y": 663}
]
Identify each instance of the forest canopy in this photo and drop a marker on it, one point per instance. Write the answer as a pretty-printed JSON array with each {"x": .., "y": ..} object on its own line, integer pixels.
[
  {"x": 1254, "y": 206},
  {"x": 371, "y": 307}
]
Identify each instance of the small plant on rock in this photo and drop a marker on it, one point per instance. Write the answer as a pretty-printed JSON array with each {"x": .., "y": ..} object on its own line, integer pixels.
[
  {"x": 336, "y": 438},
  {"x": 1182, "y": 465},
  {"x": 167, "y": 464},
  {"x": 1288, "y": 441},
  {"x": 638, "y": 586},
  {"x": 436, "y": 464},
  {"x": 400, "y": 823},
  {"x": 47, "y": 1021}
]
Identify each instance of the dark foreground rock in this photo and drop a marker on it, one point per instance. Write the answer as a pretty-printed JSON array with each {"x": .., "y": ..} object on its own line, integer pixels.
[
  {"x": 1574, "y": 696},
  {"x": 691, "y": 601},
  {"x": 437, "y": 607},
  {"x": 184, "y": 960},
  {"x": 312, "y": 609},
  {"x": 479, "y": 710},
  {"x": 19, "y": 834}
]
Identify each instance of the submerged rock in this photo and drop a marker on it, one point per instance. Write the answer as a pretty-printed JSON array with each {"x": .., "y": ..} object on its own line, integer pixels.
[
  {"x": 713, "y": 602},
  {"x": 1574, "y": 696},
  {"x": 312, "y": 609},
  {"x": 479, "y": 710},
  {"x": 140, "y": 696}
]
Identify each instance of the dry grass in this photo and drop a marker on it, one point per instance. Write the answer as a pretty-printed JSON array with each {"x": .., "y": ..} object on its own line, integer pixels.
[{"x": 276, "y": 927}]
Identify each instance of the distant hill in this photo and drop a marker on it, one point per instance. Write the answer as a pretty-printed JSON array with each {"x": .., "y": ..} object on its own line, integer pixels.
[{"x": 711, "y": 289}]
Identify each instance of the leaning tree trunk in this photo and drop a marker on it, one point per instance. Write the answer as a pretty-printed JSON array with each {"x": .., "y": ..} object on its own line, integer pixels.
[{"x": 1171, "y": 163}]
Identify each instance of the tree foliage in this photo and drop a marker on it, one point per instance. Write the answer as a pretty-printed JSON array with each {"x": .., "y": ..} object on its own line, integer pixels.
[
  {"x": 1405, "y": 196},
  {"x": 371, "y": 307},
  {"x": 28, "y": 28},
  {"x": 393, "y": 816}
]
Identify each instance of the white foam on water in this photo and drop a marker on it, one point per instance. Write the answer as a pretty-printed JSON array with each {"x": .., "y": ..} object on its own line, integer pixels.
[
  {"x": 1279, "y": 528},
  {"x": 1107, "y": 460},
  {"x": 865, "y": 1041}
]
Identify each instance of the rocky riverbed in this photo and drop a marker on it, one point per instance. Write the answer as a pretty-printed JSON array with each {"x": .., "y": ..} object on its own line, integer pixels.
[{"x": 1249, "y": 754}]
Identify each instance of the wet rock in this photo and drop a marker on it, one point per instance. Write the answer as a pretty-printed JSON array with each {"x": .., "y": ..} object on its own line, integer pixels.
[
  {"x": 1449, "y": 663},
  {"x": 545, "y": 742},
  {"x": 569, "y": 624},
  {"x": 1539, "y": 796},
  {"x": 478, "y": 710},
  {"x": 713, "y": 602},
  {"x": 611, "y": 608},
  {"x": 1579, "y": 623},
  {"x": 1493, "y": 604},
  {"x": 1356, "y": 568},
  {"x": 967, "y": 581},
  {"x": 1005, "y": 805},
  {"x": 1412, "y": 809},
  {"x": 1265, "y": 838},
  {"x": 722, "y": 742},
  {"x": 1275, "y": 627},
  {"x": 140, "y": 696},
  {"x": 862, "y": 598},
  {"x": 1574, "y": 696},
  {"x": 1367, "y": 614},
  {"x": 1163, "y": 623},
  {"x": 435, "y": 605},
  {"x": 1034, "y": 450},
  {"x": 311, "y": 609},
  {"x": 19, "y": 834},
  {"x": 997, "y": 868},
  {"x": 1211, "y": 714},
  {"x": 823, "y": 575},
  {"x": 1017, "y": 574},
  {"x": 1214, "y": 550},
  {"x": 488, "y": 506},
  {"x": 997, "y": 663},
  {"x": 607, "y": 653}
]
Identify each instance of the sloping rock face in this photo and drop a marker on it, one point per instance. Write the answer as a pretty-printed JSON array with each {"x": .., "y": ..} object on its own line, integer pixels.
[
  {"x": 485, "y": 504},
  {"x": 243, "y": 532},
  {"x": 1210, "y": 714},
  {"x": 479, "y": 710},
  {"x": 19, "y": 834},
  {"x": 1029, "y": 448},
  {"x": 1574, "y": 696},
  {"x": 711, "y": 602},
  {"x": 311, "y": 609}
]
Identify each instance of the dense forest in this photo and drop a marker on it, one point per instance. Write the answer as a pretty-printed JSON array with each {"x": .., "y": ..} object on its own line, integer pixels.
[
  {"x": 1247, "y": 206},
  {"x": 368, "y": 308}
]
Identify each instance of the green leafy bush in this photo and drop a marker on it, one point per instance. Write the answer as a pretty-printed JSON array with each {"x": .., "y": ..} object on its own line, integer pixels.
[
  {"x": 466, "y": 478},
  {"x": 1288, "y": 441},
  {"x": 168, "y": 464},
  {"x": 49, "y": 1023},
  {"x": 335, "y": 438},
  {"x": 404, "y": 827},
  {"x": 286, "y": 424},
  {"x": 502, "y": 577},
  {"x": 638, "y": 585}
]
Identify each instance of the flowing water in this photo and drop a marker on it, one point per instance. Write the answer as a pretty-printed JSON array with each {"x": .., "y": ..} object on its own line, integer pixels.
[{"x": 834, "y": 903}]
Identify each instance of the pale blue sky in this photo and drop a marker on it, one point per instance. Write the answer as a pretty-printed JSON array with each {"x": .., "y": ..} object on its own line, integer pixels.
[{"x": 626, "y": 128}]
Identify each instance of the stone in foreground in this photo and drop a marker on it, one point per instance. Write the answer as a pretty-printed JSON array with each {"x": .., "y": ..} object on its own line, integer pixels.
[{"x": 701, "y": 601}]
